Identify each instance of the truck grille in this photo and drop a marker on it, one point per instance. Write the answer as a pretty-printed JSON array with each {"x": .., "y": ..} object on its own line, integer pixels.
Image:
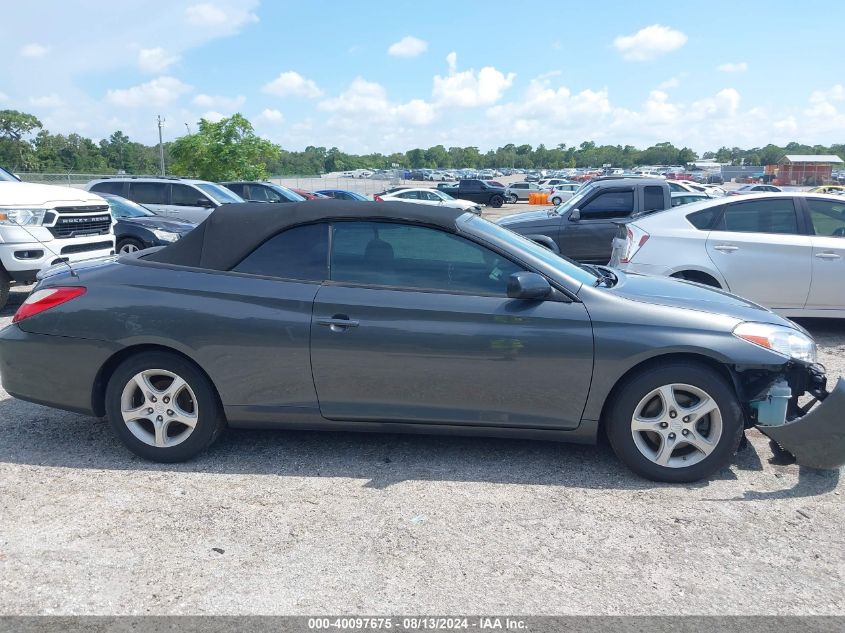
[
  {"x": 98, "y": 209},
  {"x": 81, "y": 225},
  {"x": 86, "y": 248}
]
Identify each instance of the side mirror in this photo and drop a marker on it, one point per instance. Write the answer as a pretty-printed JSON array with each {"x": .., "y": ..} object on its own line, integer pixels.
[
  {"x": 528, "y": 286},
  {"x": 204, "y": 202},
  {"x": 575, "y": 216}
]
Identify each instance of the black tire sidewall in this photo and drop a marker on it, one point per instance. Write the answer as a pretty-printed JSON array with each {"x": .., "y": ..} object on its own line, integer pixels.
[
  {"x": 129, "y": 240},
  {"x": 209, "y": 426},
  {"x": 496, "y": 201},
  {"x": 618, "y": 422},
  {"x": 514, "y": 198},
  {"x": 556, "y": 203}
]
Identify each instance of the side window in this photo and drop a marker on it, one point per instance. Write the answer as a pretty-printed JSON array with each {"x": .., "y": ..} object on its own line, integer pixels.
[
  {"x": 760, "y": 216},
  {"x": 237, "y": 188},
  {"x": 299, "y": 253},
  {"x": 409, "y": 195},
  {"x": 148, "y": 192},
  {"x": 609, "y": 204},
  {"x": 828, "y": 217},
  {"x": 427, "y": 195},
  {"x": 416, "y": 257},
  {"x": 110, "y": 186},
  {"x": 259, "y": 193},
  {"x": 704, "y": 219},
  {"x": 653, "y": 198},
  {"x": 673, "y": 186},
  {"x": 185, "y": 196},
  {"x": 520, "y": 185}
]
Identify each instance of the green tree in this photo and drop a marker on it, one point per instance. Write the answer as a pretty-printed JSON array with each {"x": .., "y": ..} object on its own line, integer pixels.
[
  {"x": 226, "y": 150},
  {"x": 16, "y": 152}
]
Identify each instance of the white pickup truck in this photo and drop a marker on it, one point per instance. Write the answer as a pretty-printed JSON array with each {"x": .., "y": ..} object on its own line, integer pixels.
[{"x": 42, "y": 225}]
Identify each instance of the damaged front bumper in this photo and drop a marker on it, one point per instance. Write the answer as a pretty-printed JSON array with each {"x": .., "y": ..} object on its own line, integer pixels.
[{"x": 816, "y": 438}]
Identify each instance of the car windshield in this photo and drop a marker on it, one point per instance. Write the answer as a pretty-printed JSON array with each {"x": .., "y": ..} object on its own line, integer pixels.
[
  {"x": 575, "y": 200},
  {"x": 287, "y": 193},
  {"x": 218, "y": 193},
  {"x": 122, "y": 208},
  {"x": 572, "y": 269},
  {"x": 6, "y": 176}
]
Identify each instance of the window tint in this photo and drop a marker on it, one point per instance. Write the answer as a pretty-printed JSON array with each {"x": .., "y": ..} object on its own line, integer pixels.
[
  {"x": 148, "y": 192},
  {"x": 109, "y": 187},
  {"x": 185, "y": 196},
  {"x": 428, "y": 195},
  {"x": 263, "y": 194},
  {"x": 409, "y": 195},
  {"x": 237, "y": 188},
  {"x": 653, "y": 198},
  {"x": 520, "y": 185},
  {"x": 828, "y": 217},
  {"x": 298, "y": 253},
  {"x": 760, "y": 216},
  {"x": 673, "y": 186},
  {"x": 609, "y": 204},
  {"x": 704, "y": 219},
  {"x": 406, "y": 256}
]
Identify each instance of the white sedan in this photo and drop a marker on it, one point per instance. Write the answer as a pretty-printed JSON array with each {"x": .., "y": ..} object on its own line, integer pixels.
[
  {"x": 424, "y": 195},
  {"x": 785, "y": 251}
]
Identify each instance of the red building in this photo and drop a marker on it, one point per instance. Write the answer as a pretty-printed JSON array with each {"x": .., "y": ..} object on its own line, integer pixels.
[{"x": 806, "y": 169}]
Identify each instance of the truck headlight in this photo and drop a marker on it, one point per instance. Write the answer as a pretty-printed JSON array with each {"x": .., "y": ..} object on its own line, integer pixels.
[
  {"x": 22, "y": 217},
  {"x": 778, "y": 338},
  {"x": 165, "y": 236}
]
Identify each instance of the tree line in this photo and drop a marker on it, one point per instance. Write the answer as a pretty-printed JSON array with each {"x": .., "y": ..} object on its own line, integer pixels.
[{"x": 230, "y": 149}]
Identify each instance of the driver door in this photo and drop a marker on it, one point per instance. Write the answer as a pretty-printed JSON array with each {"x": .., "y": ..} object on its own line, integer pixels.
[
  {"x": 590, "y": 238},
  {"x": 828, "y": 221},
  {"x": 415, "y": 326}
]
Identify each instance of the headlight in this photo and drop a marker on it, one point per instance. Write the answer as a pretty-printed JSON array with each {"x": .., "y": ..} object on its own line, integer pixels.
[
  {"x": 783, "y": 340},
  {"x": 165, "y": 236},
  {"x": 22, "y": 217}
]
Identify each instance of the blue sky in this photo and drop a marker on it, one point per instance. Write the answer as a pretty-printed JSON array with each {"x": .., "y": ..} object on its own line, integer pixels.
[{"x": 388, "y": 76}]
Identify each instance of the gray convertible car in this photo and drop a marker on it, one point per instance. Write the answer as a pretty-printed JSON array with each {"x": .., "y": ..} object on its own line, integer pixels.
[{"x": 396, "y": 317}]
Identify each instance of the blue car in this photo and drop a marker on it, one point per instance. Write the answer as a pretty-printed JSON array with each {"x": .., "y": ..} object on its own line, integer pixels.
[{"x": 342, "y": 194}]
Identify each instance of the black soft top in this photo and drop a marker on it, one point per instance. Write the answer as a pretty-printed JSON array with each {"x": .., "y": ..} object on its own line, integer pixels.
[{"x": 233, "y": 231}]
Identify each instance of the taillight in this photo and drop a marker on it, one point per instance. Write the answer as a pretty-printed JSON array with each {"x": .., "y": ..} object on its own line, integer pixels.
[
  {"x": 377, "y": 198},
  {"x": 635, "y": 238},
  {"x": 42, "y": 300}
]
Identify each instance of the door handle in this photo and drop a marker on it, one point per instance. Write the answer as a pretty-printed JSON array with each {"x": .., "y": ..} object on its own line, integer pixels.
[
  {"x": 828, "y": 255},
  {"x": 726, "y": 248},
  {"x": 337, "y": 323}
]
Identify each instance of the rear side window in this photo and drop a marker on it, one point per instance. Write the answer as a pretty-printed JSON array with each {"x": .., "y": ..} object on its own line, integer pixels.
[
  {"x": 760, "y": 216},
  {"x": 110, "y": 186},
  {"x": 237, "y": 188},
  {"x": 148, "y": 192},
  {"x": 653, "y": 198},
  {"x": 300, "y": 253},
  {"x": 185, "y": 196},
  {"x": 704, "y": 219},
  {"x": 609, "y": 204},
  {"x": 828, "y": 217}
]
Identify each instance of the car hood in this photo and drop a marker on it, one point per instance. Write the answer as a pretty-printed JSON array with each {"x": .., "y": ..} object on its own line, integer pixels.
[
  {"x": 525, "y": 218},
  {"x": 163, "y": 224},
  {"x": 22, "y": 194},
  {"x": 688, "y": 295}
]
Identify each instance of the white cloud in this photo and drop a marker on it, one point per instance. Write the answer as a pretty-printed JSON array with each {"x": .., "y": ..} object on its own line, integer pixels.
[
  {"x": 408, "y": 46},
  {"x": 468, "y": 89},
  {"x": 34, "y": 50},
  {"x": 218, "y": 101},
  {"x": 47, "y": 101},
  {"x": 292, "y": 84},
  {"x": 213, "y": 116},
  {"x": 672, "y": 82},
  {"x": 649, "y": 43},
  {"x": 733, "y": 67},
  {"x": 225, "y": 17},
  {"x": 161, "y": 91},
  {"x": 270, "y": 115},
  {"x": 155, "y": 60},
  {"x": 366, "y": 102}
]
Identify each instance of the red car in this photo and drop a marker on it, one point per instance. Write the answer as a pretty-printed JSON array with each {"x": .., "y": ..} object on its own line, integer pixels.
[{"x": 308, "y": 195}]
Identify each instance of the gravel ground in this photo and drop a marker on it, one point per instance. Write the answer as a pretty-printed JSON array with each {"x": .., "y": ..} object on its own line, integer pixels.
[{"x": 296, "y": 523}]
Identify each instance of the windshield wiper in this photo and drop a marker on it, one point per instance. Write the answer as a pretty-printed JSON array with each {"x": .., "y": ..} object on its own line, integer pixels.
[{"x": 605, "y": 276}]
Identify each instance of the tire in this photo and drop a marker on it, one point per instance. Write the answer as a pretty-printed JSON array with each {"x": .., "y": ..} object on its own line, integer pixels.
[
  {"x": 713, "y": 437},
  {"x": 172, "y": 441},
  {"x": 497, "y": 201},
  {"x": 129, "y": 245},
  {"x": 514, "y": 198},
  {"x": 556, "y": 201},
  {"x": 5, "y": 287}
]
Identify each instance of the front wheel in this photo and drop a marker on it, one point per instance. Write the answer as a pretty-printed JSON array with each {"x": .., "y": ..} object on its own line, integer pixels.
[
  {"x": 514, "y": 198},
  {"x": 162, "y": 407},
  {"x": 556, "y": 201},
  {"x": 497, "y": 201},
  {"x": 677, "y": 423},
  {"x": 129, "y": 245}
]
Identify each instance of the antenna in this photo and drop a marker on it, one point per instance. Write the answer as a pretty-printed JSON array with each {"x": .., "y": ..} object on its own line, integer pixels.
[
  {"x": 160, "y": 144},
  {"x": 62, "y": 260}
]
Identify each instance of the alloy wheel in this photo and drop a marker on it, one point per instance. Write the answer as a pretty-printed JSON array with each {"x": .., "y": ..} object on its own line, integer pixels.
[
  {"x": 129, "y": 248},
  {"x": 676, "y": 425},
  {"x": 159, "y": 408}
]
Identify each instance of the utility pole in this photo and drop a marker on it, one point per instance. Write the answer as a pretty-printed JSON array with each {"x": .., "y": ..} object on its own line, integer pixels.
[{"x": 160, "y": 144}]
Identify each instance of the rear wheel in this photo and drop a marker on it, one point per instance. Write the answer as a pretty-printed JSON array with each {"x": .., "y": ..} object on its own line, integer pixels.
[
  {"x": 556, "y": 201},
  {"x": 163, "y": 407},
  {"x": 678, "y": 422},
  {"x": 5, "y": 286},
  {"x": 514, "y": 198},
  {"x": 497, "y": 201}
]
